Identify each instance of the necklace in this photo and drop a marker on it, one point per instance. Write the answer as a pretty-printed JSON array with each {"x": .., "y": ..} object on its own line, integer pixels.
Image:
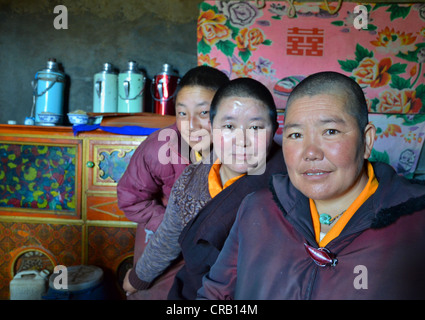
[{"x": 327, "y": 219}]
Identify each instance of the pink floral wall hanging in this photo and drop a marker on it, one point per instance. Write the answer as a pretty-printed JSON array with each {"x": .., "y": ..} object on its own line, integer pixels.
[{"x": 386, "y": 59}]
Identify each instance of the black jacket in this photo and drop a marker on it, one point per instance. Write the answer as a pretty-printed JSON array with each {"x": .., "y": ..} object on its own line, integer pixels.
[{"x": 203, "y": 238}]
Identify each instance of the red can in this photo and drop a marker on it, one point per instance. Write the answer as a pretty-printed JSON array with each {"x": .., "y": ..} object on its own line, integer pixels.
[{"x": 164, "y": 89}]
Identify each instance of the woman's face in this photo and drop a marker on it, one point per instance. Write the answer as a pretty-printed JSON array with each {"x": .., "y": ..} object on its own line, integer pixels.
[
  {"x": 192, "y": 116},
  {"x": 324, "y": 149},
  {"x": 242, "y": 135}
]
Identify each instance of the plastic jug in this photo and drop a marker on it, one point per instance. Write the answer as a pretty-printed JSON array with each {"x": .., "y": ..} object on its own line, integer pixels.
[{"x": 28, "y": 285}]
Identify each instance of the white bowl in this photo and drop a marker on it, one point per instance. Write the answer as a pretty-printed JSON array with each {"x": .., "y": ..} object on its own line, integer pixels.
[
  {"x": 49, "y": 119},
  {"x": 78, "y": 118}
]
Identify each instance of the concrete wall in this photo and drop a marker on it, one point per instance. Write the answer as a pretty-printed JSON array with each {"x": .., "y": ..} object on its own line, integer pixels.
[{"x": 151, "y": 32}]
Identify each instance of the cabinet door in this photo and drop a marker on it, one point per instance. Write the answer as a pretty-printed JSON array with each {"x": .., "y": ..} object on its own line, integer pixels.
[
  {"x": 106, "y": 163},
  {"x": 40, "y": 177},
  {"x": 109, "y": 247}
]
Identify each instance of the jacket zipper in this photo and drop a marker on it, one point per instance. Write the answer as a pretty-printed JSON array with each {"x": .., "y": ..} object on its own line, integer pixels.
[{"x": 311, "y": 283}]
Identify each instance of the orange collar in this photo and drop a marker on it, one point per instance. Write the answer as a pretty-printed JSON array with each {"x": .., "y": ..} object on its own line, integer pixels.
[
  {"x": 214, "y": 179},
  {"x": 369, "y": 189}
]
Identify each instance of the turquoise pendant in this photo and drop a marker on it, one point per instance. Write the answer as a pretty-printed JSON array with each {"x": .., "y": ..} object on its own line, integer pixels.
[{"x": 325, "y": 219}]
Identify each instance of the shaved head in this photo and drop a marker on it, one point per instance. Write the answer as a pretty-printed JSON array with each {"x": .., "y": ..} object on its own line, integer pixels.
[{"x": 334, "y": 83}]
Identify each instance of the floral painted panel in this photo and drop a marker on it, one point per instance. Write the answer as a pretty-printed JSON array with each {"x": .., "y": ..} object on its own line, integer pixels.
[
  {"x": 279, "y": 46},
  {"x": 112, "y": 164},
  {"x": 38, "y": 177}
]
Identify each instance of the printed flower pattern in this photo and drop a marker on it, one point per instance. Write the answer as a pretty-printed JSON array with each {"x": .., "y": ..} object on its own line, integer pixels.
[
  {"x": 211, "y": 28},
  {"x": 240, "y": 14},
  {"x": 373, "y": 72},
  {"x": 205, "y": 59},
  {"x": 392, "y": 41},
  {"x": 386, "y": 59},
  {"x": 391, "y": 130},
  {"x": 228, "y": 26},
  {"x": 243, "y": 69},
  {"x": 399, "y": 101},
  {"x": 249, "y": 39}
]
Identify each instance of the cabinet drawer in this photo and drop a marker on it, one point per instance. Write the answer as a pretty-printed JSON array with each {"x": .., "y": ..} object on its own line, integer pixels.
[{"x": 104, "y": 207}]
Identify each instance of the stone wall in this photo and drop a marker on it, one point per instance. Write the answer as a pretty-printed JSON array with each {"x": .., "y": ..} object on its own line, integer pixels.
[{"x": 151, "y": 32}]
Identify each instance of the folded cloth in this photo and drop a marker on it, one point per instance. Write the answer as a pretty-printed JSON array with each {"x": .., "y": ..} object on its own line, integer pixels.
[{"x": 126, "y": 130}]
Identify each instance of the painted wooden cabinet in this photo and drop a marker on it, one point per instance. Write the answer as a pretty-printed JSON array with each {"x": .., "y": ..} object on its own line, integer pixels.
[{"x": 58, "y": 203}]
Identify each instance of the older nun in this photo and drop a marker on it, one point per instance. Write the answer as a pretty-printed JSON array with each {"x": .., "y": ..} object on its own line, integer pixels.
[{"x": 336, "y": 226}]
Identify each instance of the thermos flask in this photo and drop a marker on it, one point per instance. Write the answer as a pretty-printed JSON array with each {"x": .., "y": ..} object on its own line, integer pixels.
[
  {"x": 163, "y": 90},
  {"x": 49, "y": 86},
  {"x": 105, "y": 90},
  {"x": 131, "y": 87}
]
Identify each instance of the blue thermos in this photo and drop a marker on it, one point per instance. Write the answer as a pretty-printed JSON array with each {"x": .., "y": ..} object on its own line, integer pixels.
[{"x": 49, "y": 88}]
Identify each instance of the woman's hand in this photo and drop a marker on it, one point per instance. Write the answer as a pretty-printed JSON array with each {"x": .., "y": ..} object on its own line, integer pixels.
[{"x": 128, "y": 288}]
